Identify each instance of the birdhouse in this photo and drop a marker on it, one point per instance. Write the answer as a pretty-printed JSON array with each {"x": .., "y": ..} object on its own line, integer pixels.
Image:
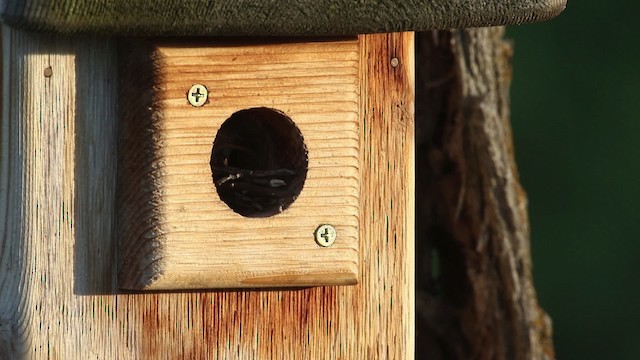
[{"x": 225, "y": 179}]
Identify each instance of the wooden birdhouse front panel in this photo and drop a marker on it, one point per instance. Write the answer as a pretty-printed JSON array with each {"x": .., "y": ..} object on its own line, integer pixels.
[{"x": 207, "y": 205}]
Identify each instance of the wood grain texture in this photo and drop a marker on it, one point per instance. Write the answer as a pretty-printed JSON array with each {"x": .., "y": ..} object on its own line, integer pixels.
[
  {"x": 475, "y": 298},
  {"x": 175, "y": 231},
  {"x": 58, "y": 295}
]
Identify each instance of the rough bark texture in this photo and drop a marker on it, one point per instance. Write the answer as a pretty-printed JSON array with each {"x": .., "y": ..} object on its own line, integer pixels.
[{"x": 475, "y": 296}]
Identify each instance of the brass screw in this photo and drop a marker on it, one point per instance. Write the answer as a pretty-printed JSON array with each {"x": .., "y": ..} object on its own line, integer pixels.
[
  {"x": 197, "y": 95},
  {"x": 325, "y": 235}
]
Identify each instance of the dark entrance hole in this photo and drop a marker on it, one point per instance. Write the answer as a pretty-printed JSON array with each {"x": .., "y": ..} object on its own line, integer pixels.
[{"x": 259, "y": 162}]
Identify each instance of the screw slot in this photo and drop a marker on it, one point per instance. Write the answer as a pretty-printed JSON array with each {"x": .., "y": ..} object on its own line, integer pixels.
[
  {"x": 325, "y": 235},
  {"x": 197, "y": 95}
]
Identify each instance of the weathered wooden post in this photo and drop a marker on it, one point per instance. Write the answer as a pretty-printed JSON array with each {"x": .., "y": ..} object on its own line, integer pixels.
[{"x": 265, "y": 145}]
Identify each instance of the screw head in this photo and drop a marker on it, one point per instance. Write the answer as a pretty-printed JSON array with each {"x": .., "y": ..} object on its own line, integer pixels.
[
  {"x": 325, "y": 235},
  {"x": 198, "y": 95}
]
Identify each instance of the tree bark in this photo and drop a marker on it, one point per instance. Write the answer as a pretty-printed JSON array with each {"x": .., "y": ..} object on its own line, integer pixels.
[{"x": 475, "y": 297}]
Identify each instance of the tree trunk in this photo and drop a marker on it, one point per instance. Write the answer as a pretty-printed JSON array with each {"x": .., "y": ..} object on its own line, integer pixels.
[{"x": 474, "y": 291}]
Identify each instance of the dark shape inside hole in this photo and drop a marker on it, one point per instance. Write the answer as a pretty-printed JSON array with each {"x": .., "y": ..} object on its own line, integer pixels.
[{"x": 259, "y": 162}]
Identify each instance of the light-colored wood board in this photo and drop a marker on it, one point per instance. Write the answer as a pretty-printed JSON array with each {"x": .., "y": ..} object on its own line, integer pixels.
[
  {"x": 57, "y": 199},
  {"x": 175, "y": 231},
  {"x": 58, "y": 296}
]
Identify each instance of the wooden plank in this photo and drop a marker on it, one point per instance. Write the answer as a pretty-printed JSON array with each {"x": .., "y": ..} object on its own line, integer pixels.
[
  {"x": 56, "y": 199},
  {"x": 58, "y": 296},
  {"x": 177, "y": 229}
]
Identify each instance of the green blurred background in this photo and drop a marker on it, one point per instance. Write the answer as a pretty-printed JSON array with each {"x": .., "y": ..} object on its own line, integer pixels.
[{"x": 576, "y": 121}]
